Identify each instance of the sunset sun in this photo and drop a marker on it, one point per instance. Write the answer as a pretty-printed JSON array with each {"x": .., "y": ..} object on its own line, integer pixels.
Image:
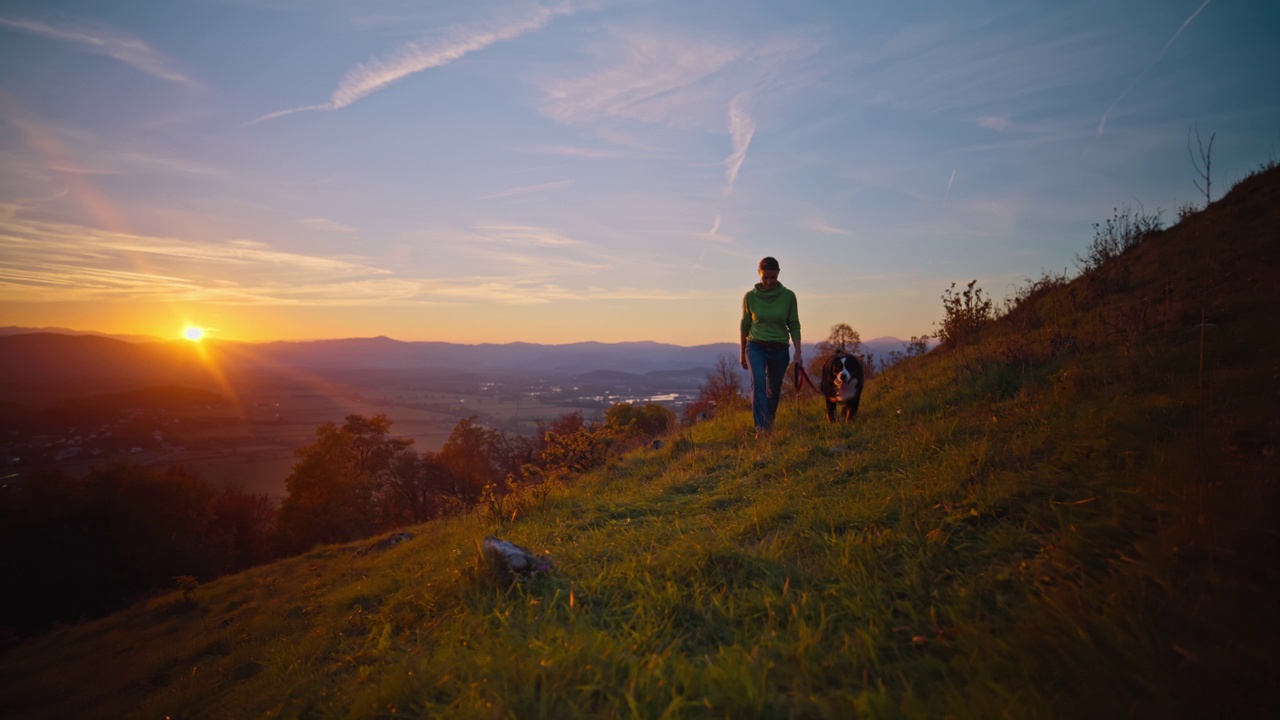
[{"x": 194, "y": 334}]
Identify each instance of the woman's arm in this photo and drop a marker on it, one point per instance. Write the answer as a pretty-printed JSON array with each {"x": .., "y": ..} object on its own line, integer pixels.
[{"x": 793, "y": 326}]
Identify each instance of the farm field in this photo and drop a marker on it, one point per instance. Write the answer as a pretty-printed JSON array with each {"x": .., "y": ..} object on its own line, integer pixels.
[{"x": 248, "y": 440}]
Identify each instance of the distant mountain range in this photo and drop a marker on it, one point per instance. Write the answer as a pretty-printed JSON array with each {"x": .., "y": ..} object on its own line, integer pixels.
[
  {"x": 13, "y": 330},
  {"x": 72, "y": 362}
]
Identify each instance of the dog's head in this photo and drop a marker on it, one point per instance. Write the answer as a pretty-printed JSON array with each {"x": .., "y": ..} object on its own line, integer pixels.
[{"x": 842, "y": 376}]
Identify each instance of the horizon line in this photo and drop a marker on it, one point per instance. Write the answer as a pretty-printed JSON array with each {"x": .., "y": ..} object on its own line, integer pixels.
[{"x": 14, "y": 330}]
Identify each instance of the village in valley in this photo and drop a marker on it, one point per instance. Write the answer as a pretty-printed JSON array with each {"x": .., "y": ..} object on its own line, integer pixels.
[{"x": 248, "y": 437}]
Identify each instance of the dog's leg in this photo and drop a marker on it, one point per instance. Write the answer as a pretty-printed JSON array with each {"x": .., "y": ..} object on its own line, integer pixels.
[{"x": 831, "y": 412}]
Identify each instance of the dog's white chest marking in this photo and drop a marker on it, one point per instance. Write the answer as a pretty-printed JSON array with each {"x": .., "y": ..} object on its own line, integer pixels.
[{"x": 845, "y": 388}]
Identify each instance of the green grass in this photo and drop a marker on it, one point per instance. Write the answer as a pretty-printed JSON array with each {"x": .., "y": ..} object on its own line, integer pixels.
[{"x": 1085, "y": 533}]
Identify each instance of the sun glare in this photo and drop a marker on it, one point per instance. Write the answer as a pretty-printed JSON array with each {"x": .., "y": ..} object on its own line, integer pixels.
[{"x": 194, "y": 334}]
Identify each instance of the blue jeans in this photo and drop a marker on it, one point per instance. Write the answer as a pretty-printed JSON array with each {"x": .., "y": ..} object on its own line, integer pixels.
[{"x": 768, "y": 369}]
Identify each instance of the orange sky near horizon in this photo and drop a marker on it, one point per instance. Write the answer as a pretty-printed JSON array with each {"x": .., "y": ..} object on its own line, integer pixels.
[{"x": 599, "y": 322}]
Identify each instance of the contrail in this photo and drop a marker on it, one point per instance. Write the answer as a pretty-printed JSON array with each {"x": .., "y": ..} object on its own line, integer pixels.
[
  {"x": 1102, "y": 124},
  {"x": 1185, "y": 23},
  {"x": 947, "y": 194},
  {"x": 741, "y": 128},
  {"x": 414, "y": 57}
]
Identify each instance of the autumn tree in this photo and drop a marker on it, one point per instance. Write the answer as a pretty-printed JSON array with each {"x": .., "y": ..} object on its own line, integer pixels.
[
  {"x": 842, "y": 338},
  {"x": 157, "y": 524},
  {"x": 334, "y": 485},
  {"x": 415, "y": 487},
  {"x": 650, "y": 419},
  {"x": 372, "y": 443},
  {"x": 566, "y": 424},
  {"x": 244, "y": 524},
  {"x": 518, "y": 452},
  {"x": 476, "y": 456},
  {"x": 120, "y": 531}
]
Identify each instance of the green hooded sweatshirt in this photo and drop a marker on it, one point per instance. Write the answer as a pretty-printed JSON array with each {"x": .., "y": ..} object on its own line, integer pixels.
[{"x": 770, "y": 315}]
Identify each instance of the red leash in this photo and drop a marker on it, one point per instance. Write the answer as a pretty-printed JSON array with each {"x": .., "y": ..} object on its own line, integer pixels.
[{"x": 802, "y": 375}]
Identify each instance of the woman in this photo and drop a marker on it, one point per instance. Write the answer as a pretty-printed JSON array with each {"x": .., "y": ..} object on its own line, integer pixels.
[{"x": 769, "y": 318}]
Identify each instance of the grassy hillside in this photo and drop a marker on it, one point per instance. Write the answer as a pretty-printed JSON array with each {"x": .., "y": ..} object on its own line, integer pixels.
[{"x": 1073, "y": 516}]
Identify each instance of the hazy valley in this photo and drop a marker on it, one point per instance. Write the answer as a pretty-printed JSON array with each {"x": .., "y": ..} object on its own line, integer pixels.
[{"x": 235, "y": 413}]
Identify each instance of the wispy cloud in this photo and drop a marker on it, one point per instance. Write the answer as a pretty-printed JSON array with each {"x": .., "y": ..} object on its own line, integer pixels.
[
  {"x": 42, "y": 262},
  {"x": 824, "y": 228},
  {"x": 999, "y": 123},
  {"x": 1102, "y": 123},
  {"x": 527, "y": 190},
  {"x": 741, "y": 129},
  {"x": 650, "y": 78},
  {"x": 540, "y": 291},
  {"x": 48, "y": 262},
  {"x": 1026, "y": 66},
  {"x": 583, "y": 152},
  {"x": 523, "y": 235},
  {"x": 166, "y": 163},
  {"x": 716, "y": 234},
  {"x": 441, "y": 49},
  {"x": 327, "y": 225},
  {"x": 55, "y": 262},
  {"x": 643, "y": 81},
  {"x": 947, "y": 194},
  {"x": 522, "y": 251},
  {"x": 127, "y": 49}
]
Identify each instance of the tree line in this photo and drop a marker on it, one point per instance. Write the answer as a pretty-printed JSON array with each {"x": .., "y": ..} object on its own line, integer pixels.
[{"x": 79, "y": 547}]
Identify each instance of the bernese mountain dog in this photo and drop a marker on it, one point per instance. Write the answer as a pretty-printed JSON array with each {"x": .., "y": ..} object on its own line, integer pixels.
[{"x": 842, "y": 385}]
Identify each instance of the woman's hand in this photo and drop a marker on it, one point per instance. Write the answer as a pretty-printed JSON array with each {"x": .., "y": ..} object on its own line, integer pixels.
[{"x": 744, "y": 359}]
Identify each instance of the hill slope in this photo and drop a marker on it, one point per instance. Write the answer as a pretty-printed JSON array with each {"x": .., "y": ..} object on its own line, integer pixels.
[
  {"x": 1070, "y": 516},
  {"x": 54, "y": 365}
]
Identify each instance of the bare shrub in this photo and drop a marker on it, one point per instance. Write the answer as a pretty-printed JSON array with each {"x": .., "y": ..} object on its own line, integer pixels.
[
  {"x": 721, "y": 393},
  {"x": 1186, "y": 211},
  {"x": 579, "y": 452},
  {"x": 965, "y": 313},
  {"x": 915, "y": 347},
  {"x": 1123, "y": 231},
  {"x": 1020, "y": 305}
]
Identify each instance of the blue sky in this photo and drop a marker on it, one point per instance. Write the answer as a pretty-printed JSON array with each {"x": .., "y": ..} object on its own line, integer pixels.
[{"x": 603, "y": 170}]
